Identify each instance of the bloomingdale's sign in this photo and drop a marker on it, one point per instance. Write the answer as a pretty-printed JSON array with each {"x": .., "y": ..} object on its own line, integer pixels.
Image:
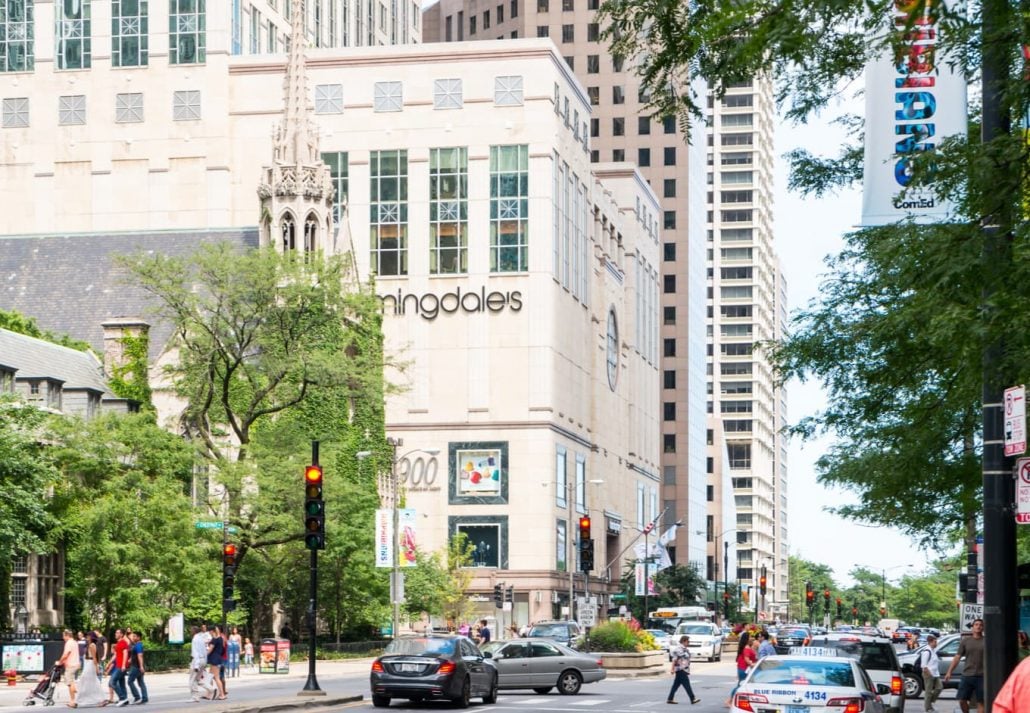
[{"x": 429, "y": 305}]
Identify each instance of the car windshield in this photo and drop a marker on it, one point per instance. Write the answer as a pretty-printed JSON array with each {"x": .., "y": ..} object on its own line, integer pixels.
[
  {"x": 703, "y": 629},
  {"x": 421, "y": 646},
  {"x": 799, "y": 633},
  {"x": 558, "y": 630},
  {"x": 870, "y": 654},
  {"x": 658, "y": 633},
  {"x": 803, "y": 672}
]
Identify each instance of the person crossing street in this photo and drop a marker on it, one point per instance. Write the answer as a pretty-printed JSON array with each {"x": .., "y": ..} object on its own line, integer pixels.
[{"x": 681, "y": 671}]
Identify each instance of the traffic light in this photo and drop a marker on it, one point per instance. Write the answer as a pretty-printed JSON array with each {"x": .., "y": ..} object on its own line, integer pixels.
[
  {"x": 499, "y": 596},
  {"x": 854, "y": 610},
  {"x": 826, "y": 599},
  {"x": 726, "y": 604},
  {"x": 509, "y": 594},
  {"x": 228, "y": 575},
  {"x": 762, "y": 581},
  {"x": 746, "y": 595},
  {"x": 314, "y": 509},
  {"x": 809, "y": 594},
  {"x": 840, "y": 610},
  {"x": 586, "y": 545}
]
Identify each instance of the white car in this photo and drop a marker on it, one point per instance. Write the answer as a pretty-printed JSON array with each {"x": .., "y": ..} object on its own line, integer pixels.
[
  {"x": 662, "y": 639},
  {"x": 808, "y": 684},
  {"x": 705, "y": 639}
]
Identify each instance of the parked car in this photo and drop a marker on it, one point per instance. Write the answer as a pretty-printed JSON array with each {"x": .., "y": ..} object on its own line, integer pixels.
[
  {"x": 876, "y": 655},
  {"x": 433, "y": 667},
  {"x": 705, "y": 639},
  {"x": 565, "y": 632},
  {"x": 542, "y": 664},
  {"x": 947, "y": 647},
  {"x": 791, "y": 636}
]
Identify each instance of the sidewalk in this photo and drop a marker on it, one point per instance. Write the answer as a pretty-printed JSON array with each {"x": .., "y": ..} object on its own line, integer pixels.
[{"x": 343, "y": 681}]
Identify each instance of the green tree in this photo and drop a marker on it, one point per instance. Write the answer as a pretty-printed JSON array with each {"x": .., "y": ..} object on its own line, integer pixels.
[
  {"x": 820, "y": 576},
  {"x": 898, "y": 332},
  {"x": 675, "y": 586},
  {"x": 26, "y": 474}
]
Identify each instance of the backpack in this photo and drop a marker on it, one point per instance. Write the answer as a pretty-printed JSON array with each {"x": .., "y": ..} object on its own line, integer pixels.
[{"x": 918, "y": 664}]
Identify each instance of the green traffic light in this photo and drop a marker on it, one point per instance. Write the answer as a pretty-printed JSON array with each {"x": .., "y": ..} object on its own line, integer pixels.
[{"x": 314, "y": 507}]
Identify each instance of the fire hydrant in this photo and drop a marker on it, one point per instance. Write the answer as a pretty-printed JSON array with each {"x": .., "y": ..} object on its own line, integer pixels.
[{"x": 12, "y": 677}]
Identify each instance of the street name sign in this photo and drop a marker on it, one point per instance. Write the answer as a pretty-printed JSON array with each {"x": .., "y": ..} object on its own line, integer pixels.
[
  {"x": 970, "y": 613},
  {"x": 1023, "y": 491},
  {"x": 1015, "y": 420},
  {"x": 208, "y": 525}
]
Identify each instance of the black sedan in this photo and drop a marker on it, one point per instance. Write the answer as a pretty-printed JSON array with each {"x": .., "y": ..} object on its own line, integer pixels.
[
  {"x": 433, "y": 667},
  {"x": 790, "y": 636}
]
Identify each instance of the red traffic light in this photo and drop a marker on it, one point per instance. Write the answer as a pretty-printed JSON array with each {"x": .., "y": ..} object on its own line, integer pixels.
[
  {"x": 810, "y": 595},
  {"x": 726, "y": 596},
  {"x": 826, "y": 594},
  {"x": 229, "y": 549},
  {"x": 584, "y": 528},
  {"x": 313, "y": 474}
]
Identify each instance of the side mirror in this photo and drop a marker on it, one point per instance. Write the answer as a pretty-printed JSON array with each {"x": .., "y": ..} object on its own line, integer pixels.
[
  {"x": 883, "y": 689},
  {"x": 488, "y": 655}
]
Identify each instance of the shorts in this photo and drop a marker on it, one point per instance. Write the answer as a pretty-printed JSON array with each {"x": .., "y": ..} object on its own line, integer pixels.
[
  {"x": 970, "y": 685},
  {"x": 69, "y": 675}
]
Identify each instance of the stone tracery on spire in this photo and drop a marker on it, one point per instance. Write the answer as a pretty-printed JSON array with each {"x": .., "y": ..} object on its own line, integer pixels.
[{"x": 296, "y": 138}]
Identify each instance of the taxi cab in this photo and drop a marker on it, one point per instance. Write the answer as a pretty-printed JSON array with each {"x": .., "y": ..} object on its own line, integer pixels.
[{"x": 808, "y": 682}]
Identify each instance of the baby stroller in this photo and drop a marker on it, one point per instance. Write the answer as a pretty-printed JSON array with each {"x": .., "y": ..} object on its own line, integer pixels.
[{"x": 44, "y": 690}]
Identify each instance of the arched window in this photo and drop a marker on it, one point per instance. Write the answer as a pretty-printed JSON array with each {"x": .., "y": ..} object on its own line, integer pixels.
[
  {"x": 310, "y": 233},
  {"x": 289, "y": 231}
]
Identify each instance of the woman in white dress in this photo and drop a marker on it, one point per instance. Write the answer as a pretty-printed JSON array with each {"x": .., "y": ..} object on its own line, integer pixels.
[{"x": 90, "y": 691}]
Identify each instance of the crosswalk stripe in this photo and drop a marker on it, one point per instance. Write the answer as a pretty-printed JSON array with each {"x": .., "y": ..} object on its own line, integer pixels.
[{"x": 590, "y": 703}]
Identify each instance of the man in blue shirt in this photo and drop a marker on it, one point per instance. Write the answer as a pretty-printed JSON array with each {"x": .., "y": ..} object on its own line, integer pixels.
[{"x": 765, "y": 647}]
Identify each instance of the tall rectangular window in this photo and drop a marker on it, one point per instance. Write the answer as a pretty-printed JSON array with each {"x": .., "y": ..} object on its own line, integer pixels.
[
  {"x": 563, "y": 547},
  {"x": 16, "y": 36},
  {"x": 509, "y": 208},
  {"x": 129, "y": 33},
  {"x": 73, "y": 34},
  {"x": 581, "y": 484},
  {"x": 448, "y": 211},
  {"x": 187, "y": 32},
  {"x": 339, "y": 170},
  {"x": 255, "y": 30},
  {"x": 388, "y": 206},
  {"x": 561, "y": 477}
]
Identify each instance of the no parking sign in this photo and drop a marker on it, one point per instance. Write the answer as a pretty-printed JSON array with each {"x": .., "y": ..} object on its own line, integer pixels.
[{"x": 1023, "y": 491}]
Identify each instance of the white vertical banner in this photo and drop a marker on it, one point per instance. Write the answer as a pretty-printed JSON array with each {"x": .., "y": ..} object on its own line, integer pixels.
[
  {"x": 640, "y": 581},
  {"x": 408, "y": 541},
  {"x": 911, "y": 105},
  {"x": 384, "y": 538},
  {"x": 176, "y": 629}
]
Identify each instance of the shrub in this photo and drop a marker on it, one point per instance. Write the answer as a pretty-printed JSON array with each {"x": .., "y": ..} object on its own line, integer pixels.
[{"x": 616, "y": 635}]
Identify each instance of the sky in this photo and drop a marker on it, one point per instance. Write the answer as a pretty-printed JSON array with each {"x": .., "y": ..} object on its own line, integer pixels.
[{"x": 806, "y": 231}]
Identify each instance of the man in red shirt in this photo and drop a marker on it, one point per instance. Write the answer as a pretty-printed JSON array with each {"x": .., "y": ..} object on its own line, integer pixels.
[
  {"x": 1014, "y": 696},
  {"x": 119, "y": 664}
]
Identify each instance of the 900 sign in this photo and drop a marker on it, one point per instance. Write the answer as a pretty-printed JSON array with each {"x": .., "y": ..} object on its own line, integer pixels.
[{"x": 418, "y": 473}]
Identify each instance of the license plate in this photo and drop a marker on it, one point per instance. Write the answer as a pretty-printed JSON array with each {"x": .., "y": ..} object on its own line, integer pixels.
[
  {"x": 797, "y": 709},
  {"x": 410, "y": 668}
]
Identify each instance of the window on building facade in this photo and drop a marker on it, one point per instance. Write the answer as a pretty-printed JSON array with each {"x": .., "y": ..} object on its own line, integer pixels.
[
  {"x": 129, "y": 33},
  {"x": 542, "y": 6},
  {"x": 561, "y": 477},
  {"x": 669, "y": 125},
  {"x": 339, "y": 170},
  {"x": 568, "y": 33},
  {"x": 669, "y": 188},
  {"x": 595, "y": 95},
  {"x": 669, "y": 411},
  {"x": 561, "y": 535},
  {"x": 486, "y": 20},
  {"x": 669, "y": 154},
  {"x": 514, "y": 9},
  {"x": 643, "y": 125},
  {"x": 618, "y": 126},
  {"x": 186, "y": 105},
  {"x": 472, "y": 24},
  {"x": 669, "y": 442},
  {"x": 255, "y": 30},
  {"x": 508, "y": 91},
  {"x": 618, "y": 95},
  {"x": 543, "y": 31},
  {"x": 669, "y": 379},
  {"x": 595, "y": 156},
  {"x": 17, "y": 38},
  {"x": 593, "y": 64},
  {"x": 669, "y": 219},
  {"x": 669, "y": 347},
  {"x": 644, "y": 157},
  {"x": 500, "y": 14},
  {"x": 618, "y": 155},
  {"x": 388, "y": 203},
  {"x": 669, "y": 284},
  {"x": 448, "y": 211},
  {"x": 128, "y": 108},
  {"x": 617, "y": 64},
  {"x": 71, "y": 110},
  {"x": 509, "y": 208},
  {"x": 388, "y": 96},
  {"x": 571, "y": 61},
  {"x": 739, "y": 455},
  {"x": 593, "y": 32},
  {"x": 72, "y": 40},
  {"x": 187, "y": 31},
  {"x": 447, "y": 94},
  {"x": 669, "y": 315},
  {"x": 15, "y": 113},
  {"x": 581, "y": 484},
  {"x": 328, "y": 98},
  {"x": 669, "y": 252}
]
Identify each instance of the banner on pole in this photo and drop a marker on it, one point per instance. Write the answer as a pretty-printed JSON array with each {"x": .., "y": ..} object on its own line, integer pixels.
[
  {"x": 912, "y": 103},
  {"x": 384, "y": 538}
]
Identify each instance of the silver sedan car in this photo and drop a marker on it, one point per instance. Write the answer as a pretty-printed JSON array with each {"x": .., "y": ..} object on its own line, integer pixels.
[{"x": 542, "y": 664}]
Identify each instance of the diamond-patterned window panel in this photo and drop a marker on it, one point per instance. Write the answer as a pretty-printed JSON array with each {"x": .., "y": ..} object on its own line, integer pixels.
[
  {"x": 128, "y": 108},
  {"x": 71, "y": 110},
  {"x": 509, "y": 208},
  {"x": 508, "y": 91},
  {"x": 389, "y": 96},
  {"x": 15, "y": 113},
  {"x": 447, "y": 94},
  {"x": 328, "y": 98},
  {"x": 389, "y": 213},
  {"x": 449, "y": 210},
  {"x": 186, "y": 105}
]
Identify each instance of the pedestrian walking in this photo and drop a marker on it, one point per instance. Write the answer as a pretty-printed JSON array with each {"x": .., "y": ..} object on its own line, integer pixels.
[
  {"x": 235, "y": 648},
  {"x": 117, "y": 667},
  {"x": 216, "y": 659},
  {"x": 1014, "y": 696},
  {"x": 484, "y": 632},
  {"x": 248, "y": 653},
  {"x": 928, "y": 664},
  {"x": 70, "y": 660},
  {"x": 765, "y": 646},
  {"x": 198, "y": 666},
  {"x": 91, "y": 691},
  {"x": 681, "y": 671},
  {"x": 971, "y": 683},
  {"x": 136, "y": 670},
  {"x": 746, "y": 656}
]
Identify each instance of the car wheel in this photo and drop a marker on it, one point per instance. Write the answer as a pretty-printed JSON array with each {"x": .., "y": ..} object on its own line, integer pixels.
[
  {"x": 718, "y": 656},
  {"x": 491, "y": 697},
  {"x": 542, "y": 691},
  {"x": 463, "y": 700},
  {"x": 569, "y": 683},
  {"x": 380, "y": 701},
  {"x": 913, "y": 685}
]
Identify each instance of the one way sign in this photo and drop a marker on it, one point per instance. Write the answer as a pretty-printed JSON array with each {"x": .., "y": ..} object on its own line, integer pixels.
[{"x": 970, "y": 613}]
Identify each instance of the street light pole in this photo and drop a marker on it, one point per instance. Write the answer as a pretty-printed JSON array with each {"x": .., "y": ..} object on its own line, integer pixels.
[{"x": 395, "y": 598}]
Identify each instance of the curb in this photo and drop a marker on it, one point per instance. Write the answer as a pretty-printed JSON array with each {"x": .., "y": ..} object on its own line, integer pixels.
[
  {"x": 287, "y": 704},
  {"x": 622, "y": 674}
]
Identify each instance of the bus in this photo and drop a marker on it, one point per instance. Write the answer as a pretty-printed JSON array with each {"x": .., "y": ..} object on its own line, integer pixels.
[{"x": 669, "y": 618}]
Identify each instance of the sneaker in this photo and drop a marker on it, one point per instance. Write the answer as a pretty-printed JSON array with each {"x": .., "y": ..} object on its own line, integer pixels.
[
  {"x": 671, "y": 701},
  {"x": 195, "y": 699},
  {"x": 694, "y": 701},
  {"x": 123, "y": 702}
]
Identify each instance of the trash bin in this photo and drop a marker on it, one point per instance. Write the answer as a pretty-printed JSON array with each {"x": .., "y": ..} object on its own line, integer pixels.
[{"x": 274, "y": 656}]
